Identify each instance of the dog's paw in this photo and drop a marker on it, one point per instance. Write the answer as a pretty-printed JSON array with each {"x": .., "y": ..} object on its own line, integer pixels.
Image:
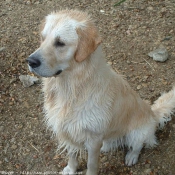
[
  {"x": 131, "y": 158},
  {"x": 68, "y": 171}
]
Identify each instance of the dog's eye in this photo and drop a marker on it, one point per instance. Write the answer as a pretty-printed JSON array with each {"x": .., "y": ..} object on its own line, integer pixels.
[{"x": 59, "y": 44}]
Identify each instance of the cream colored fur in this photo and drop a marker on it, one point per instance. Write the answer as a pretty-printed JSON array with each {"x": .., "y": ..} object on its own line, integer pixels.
[{"x": 89, "y": 106}]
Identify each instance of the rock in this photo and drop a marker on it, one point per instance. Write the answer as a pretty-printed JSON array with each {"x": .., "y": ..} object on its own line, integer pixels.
[
  {"x": 139, "y": 87},
  {"x": 160, "y": 54},
  {"x": 28, "y": 150},
  {"x": 26, "y": 104},
  {"x": 22, "y": 54},
  {"x": 20, "y": 126},
  {"x": 10, "y": 103},
  {"x": 150, "y": 8},
  {"x": 102, "y": 11},
  {"x": 14, "y": 147},
  {"x": 28, "y": 2},
  {"x": 128, "y": 62},
  {"x": 28, "y": 80},
  {"x": 144, "y": 85},
  {"x": 12, "y": 140},
  {"x": 109, "y": 63},
  {"x": 2, "y": 48},
  {"x": 6, "y": 159},
  {"x": 147, "y": 171}
]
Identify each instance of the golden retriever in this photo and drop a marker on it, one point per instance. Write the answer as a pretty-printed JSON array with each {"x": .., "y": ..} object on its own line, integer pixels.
[{"x": 87, "y": 105}]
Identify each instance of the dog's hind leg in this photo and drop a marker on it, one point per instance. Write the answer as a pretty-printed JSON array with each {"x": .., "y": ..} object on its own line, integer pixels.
[
  {"x": 134, "y": 142},
  {"x": 72, "y": 165},
  {"x": 132, "y": 155},
  {"x": 136, "y": 139}
]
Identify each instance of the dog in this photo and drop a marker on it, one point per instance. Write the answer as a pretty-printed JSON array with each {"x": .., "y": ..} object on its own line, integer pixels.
[{"x": 87, "y": 105}]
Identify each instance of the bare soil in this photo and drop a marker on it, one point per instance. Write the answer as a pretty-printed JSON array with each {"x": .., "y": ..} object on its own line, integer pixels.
[{"x": 130, "y": 31}]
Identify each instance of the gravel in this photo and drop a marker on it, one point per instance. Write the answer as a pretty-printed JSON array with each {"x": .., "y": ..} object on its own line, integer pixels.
[{"x": 130, "y": 31}]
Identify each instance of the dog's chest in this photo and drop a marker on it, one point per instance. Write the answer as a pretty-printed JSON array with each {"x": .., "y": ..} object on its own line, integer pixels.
[{"x": 75, "y": 119}]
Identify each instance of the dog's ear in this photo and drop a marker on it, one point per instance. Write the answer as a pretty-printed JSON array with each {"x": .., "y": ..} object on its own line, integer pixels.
[{"x": 89, "y": 40}]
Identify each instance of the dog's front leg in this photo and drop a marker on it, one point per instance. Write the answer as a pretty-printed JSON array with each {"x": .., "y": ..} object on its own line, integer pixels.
[
  {"x": 93, "y": 148},
  {"x": 72, "y": 165}
]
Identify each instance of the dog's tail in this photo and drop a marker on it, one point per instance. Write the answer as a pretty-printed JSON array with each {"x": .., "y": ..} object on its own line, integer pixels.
[{"x": 164, "y": 107}]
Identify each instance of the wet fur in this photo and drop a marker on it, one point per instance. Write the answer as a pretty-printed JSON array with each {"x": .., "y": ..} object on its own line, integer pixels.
[{"x": 91, "y": 107}]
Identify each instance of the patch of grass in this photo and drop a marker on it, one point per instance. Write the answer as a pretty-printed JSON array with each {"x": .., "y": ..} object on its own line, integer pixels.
[{"x": 118, "y": 3}]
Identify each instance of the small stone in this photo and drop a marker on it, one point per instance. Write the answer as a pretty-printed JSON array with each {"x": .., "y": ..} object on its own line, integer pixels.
[
  {"x": 12, "y": 140},
  {"x": 102, "y": 11},
  {"x": 6, "y": 159},
  {"x": 150, "y": 8},
  {"x": 147, "y": 171},
  {"x": 28, "y": 80},
  {"x": 139, "y": 87},
  {"x": 109, "y": 62},
  {"x": 2, "y": 48},
  {"x": 28, "y": 2},
  {"x": 144, "y": 85},
  {"x": 22, "y": 54},
  {"x": 28, "y": 150},
  {"x": 14, "y": 147},
  {"x": 160, "y": 54},
  {"x": 17, "y": 166},
  {"x": 37, "y": 2},
  {"x": 26, "y": 104},
  {"x": 35, "y": 156},
  {"x": 165, "y": 82},
  {"x": 10, "y": 103},
  {"x": 145, "y": 77},
  {"x": 20, "y": 126}
]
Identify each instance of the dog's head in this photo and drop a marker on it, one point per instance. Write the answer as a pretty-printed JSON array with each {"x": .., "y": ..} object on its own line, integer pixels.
[{"x": 66, "y": 36}]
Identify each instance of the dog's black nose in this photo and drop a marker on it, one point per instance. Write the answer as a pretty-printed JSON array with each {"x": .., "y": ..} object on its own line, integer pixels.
[{"x": 33, "y": 62}]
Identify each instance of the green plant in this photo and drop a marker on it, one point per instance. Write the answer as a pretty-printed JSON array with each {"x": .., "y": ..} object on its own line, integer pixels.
[{"x": 118, "y": 3}]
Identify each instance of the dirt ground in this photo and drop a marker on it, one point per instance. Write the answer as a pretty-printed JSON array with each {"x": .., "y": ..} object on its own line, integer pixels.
[{"x": 130, "y": 31}]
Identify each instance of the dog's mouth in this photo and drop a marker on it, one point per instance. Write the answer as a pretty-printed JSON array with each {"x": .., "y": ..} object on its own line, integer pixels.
[{"x": 58, "y": 72}]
